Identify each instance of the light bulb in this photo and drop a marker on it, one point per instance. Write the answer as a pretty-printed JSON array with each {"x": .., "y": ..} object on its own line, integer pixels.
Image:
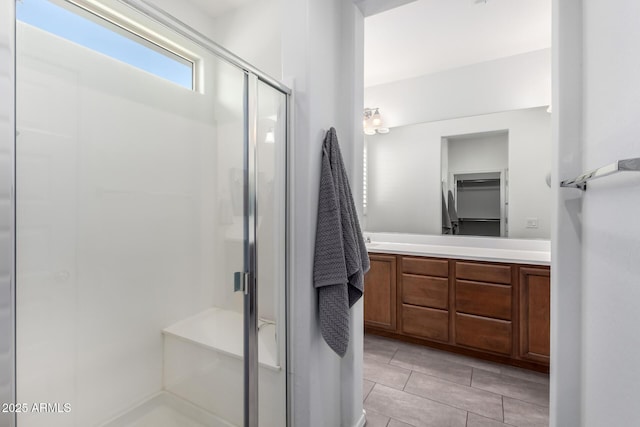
[
  {"x": 377, "y": 121},
  {"x": 270, "y": 138}
]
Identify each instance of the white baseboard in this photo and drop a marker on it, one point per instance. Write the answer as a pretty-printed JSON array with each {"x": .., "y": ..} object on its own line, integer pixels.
[{"x": 362, "y": 420}]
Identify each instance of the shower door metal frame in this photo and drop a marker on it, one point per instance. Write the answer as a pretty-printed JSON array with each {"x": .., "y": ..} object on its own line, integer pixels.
[
  {"x": 252, "y": 76},
  {"x": 251, "y": 366}
]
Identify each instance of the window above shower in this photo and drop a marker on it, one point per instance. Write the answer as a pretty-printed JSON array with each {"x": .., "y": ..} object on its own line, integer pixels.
[{"x": 111, "y": 34}]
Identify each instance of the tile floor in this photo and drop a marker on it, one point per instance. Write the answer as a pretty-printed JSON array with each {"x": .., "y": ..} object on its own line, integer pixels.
[{"x": 407, "y": 385}]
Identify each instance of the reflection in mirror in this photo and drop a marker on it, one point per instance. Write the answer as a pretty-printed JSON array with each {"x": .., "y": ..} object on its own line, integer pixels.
[
  {"x": 474, "y": 177},
  {"x": 469, "y": 144},
  {"x": 482, "y": 175}
]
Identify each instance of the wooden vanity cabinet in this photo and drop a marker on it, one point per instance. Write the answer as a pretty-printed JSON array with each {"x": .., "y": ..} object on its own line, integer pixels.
[
  {"x": 496, "y": 311},
  {"x": 380, "y": 293},
  {"x": 535, "y": 316},
  {"x": 484, "y": 306},
  {"x": 424, "y": 298}
]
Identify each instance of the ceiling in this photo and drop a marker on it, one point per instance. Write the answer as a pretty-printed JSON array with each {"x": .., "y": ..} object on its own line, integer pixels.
[
  {"x": 371, "y": 7},
  {"x": 429, "y": 36},
  {"x": 218, "y": 7}
]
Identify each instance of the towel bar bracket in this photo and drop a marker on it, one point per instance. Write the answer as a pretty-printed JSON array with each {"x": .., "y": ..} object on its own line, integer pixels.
[{"x": 632, "y": 165}]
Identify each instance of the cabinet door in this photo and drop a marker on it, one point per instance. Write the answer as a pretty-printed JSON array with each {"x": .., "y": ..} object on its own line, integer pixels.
[
  {"x": 535, "y": 288},
  {"x": 380, "y": 293}
]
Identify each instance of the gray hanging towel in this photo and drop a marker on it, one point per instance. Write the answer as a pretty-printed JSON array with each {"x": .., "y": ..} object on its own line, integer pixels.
[
  {"x": 341, "y": 258},
  {"x": 453, "y": 215},
  {"x": 446, "y": 221}
]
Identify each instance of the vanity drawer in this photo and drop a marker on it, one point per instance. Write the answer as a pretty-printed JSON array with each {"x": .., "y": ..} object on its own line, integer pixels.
[
  {"x": 483, "y": 299},
  {"x": 425, "y": 290},
  {"x": 493, "y": 273},
  {"x": 425, "y": 266},
  {"x": 483, "y": 333},
  {"x": 425, "y": 322}
]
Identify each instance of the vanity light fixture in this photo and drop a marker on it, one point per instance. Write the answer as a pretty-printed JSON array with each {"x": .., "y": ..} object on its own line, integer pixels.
[
  {"x": 270, "y": 137},
  {"x": 372, "y": 122}
]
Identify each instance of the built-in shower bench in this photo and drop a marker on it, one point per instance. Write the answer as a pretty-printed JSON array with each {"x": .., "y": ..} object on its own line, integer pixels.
[
  {"x": 221, "y": 330},
  {"x": 203, "y": 364}
]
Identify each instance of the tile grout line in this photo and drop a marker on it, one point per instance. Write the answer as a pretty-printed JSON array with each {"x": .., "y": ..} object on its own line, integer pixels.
[
  {"x": 447, "y": 360},
  {"x": 518, "y": 379},
  {"x": 444, "y": 403},
  {"x": 455, "y": 383},
  {"x": 498, "y": 367},
  {"x": 471, "y": 378},
  {"x": 514, "y": 398},
  {"x": 370, "y": 390},
  {"x": 511, "y": 397},
  {"x": 407, "y": 381},
  {"x": 527, "y": 375},
  {"x": 533, "y": 404},
  {"x": 466, "y": 422},
  {"x": 525, "y": 401},
  {"x": 470, "y": 366},
  {"x": 451, "y": 358},
  {"x": 394, "y": 355},
  {"x": 431, "y": 374}
]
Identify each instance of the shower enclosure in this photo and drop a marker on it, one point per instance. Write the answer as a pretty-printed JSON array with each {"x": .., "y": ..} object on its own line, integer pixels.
[{"x": 142, "y": 223}]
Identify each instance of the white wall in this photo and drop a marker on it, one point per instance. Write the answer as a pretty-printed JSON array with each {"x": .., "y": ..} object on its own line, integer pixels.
[
  {"x": 7, "y": 221},
  {"x": 611, "y": 131},
  {"x": 252, "y": 32},
  {"x": 322, "y": 48},
  {"x": 566, "y": 239},
  {"x": 403, "y": 181},
  {"x": 482, "y": 152},
  {"x": 599, "y": 223},
  {"x": 511, "y": 83},
  {"x": 404, "y": 191}
]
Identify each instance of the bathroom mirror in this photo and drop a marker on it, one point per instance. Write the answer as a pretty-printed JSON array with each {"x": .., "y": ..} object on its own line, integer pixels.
[{"x": 481, "y": 175}]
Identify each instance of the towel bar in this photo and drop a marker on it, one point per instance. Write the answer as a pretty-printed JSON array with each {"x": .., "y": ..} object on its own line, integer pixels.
[{"x": 580, "y": 182}]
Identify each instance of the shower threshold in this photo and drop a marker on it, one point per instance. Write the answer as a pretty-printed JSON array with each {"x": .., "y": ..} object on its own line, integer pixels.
[{"x": 165, "y": 409}]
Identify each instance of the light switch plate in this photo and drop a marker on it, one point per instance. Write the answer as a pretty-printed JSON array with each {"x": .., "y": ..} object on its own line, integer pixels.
[{"x": 532, "y": 222}]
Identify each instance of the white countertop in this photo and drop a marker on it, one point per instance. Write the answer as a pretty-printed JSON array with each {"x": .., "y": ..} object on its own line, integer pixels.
[{"x": 480, "y": 249}]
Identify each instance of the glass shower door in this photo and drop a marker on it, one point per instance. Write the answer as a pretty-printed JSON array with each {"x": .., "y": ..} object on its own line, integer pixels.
[{"x": 270, "y": 148}]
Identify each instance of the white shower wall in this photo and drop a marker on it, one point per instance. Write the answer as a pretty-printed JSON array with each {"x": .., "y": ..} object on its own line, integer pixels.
[{"x": 124, "y": 186}]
